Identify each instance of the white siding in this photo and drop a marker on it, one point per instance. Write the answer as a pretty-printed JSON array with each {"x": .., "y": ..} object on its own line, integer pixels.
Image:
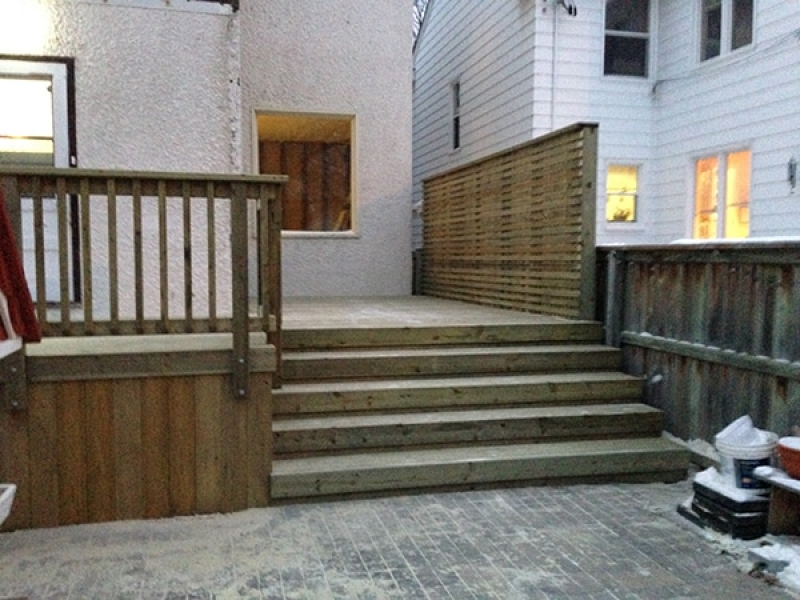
[
  {"x": 526, "y": 68},
  {"x": 488, "y": 47},
  {"x": 747, "y": 99}
]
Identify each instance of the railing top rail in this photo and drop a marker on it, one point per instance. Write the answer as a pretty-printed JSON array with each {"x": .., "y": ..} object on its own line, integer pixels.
[
  {"x": 783, "y": 251},
  {"x": 7, "y": 170}
]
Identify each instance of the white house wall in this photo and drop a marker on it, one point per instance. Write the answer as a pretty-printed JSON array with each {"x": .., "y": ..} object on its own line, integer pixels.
[
  {"x": 173, "y": 86},
  {"x": 346, "y": 58},
  {"x": 526, "y": 68},
  {"x": 488, "y": 47},
  {"x": 747, "y": 99}
]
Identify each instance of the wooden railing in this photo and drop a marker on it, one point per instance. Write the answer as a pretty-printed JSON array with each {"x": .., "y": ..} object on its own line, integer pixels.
[
  {"x": 714, "y": 328},
  {"x": 517, "y": 229},
  {"x": 128, "y": 253}
]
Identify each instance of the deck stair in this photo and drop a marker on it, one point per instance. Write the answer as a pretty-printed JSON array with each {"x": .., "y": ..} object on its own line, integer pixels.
[{"x": 379, "y": 410}]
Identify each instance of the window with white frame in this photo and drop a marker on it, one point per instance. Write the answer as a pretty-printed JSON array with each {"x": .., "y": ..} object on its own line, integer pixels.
[
  {"x": 722, "y": 196},
  {"x": 627, "y": 38},
  {"x": 455, "y": 121},
  {"x": 725, "y": 26},
  {"x": 622, "y": 186}
]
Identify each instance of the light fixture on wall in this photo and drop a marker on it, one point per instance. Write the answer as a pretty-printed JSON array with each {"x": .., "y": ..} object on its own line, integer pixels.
[
  {"x": 570, "y": 7},
  {"x": 791, "y": 174}
]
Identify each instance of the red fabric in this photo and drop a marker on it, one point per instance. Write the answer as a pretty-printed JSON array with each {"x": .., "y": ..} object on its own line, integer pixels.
[{"x": 13, "y": 284}]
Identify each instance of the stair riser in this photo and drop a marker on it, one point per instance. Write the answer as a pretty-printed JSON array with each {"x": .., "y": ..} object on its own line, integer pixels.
[
  {"x": 455, "y": 396},
  {"x": 527, "y": 430},
  {"x": 657, "y": 465},
  {"x": 310, "y": 368},
  {"x": 321, "y": 339}
]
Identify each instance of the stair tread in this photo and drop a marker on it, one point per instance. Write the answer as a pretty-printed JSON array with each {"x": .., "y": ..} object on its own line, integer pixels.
[
  {"x": 446, "y": 351},
  {"x": 451, "y": 382},
  {"x": 465, "y": 416},
  {"x": 481, "y": 454}
]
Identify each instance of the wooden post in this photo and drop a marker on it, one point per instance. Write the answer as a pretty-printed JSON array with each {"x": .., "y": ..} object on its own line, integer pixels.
[
  {"x": 275, "y": 285},
  {"x": 240, "y": 368}
]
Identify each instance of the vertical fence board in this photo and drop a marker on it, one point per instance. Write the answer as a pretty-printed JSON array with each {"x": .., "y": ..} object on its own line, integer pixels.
[
  {"x": 259, "y": 440},
  {"x": 15, "y": 465},
  {"x": 182, "y": 442},
  {"x": 130, "y": 448},
  {"x": 209, "y": 393},
  {"x": 72, "y": 455},
  {"x": 44, "y": 438},
  {"x": 155, "y": 447},
  {"x": 100, "y": 456}
]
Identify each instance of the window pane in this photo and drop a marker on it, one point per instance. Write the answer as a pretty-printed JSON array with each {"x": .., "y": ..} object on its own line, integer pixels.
[
  {"x": 622, "y": 183},
  {"x": 314, "y": 151},
  {"x": 26, "y": 121},
  {"x": 742, "y": 23},
  {"x": 627, "y": 15},
  {"x": 737, "y": 195},
  {"x": 705, "y": 198},
  {"x": 625, "y": 56},
  {"x": 711, "y": 34}
]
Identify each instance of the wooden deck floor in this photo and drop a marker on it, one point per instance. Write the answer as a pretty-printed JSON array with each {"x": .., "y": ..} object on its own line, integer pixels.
[{"x": 401, "y": 311}]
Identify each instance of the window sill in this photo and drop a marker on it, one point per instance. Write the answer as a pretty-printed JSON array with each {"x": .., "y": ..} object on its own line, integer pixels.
[{"x": 193, "y": 6}]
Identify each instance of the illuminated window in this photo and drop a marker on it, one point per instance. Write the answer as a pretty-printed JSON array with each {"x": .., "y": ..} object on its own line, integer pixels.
[
  {"x": 315, "y": 152},
  {"x": 722, "y": 205},
  {"x": 627, "y": 37},
  {"x": 725, "y": 26},
  {"x": 26, "y": 120},
  {"x": 622, "y": 185}
]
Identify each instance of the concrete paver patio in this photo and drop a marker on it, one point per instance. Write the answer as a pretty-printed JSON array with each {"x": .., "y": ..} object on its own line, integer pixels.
[{"x": 590, "y": 542}]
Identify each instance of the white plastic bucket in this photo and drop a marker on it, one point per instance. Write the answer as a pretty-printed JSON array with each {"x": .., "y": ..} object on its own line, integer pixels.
[{"x": 737, "y": 463}]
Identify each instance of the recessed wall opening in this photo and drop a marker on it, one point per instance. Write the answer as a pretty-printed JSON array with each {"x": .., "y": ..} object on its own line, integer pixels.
[{"x": 315, "y": 151}]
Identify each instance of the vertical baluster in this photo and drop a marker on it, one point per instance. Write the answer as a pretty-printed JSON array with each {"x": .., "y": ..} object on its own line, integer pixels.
[
  {"x": 113, "y": 261},
  {"x": 263, "y": 234},
  {"x": 212, "y": 255},
  {"x": 63, "y": 255},
  {"x": 275, "y": 290},
  {"x": 38, "y": 245},
  {"x": 137, "y": 254},
  {"x": 188, "y": 324},
  {"x": 163, "y": 255},
  {"x": 86, "y": 256}
]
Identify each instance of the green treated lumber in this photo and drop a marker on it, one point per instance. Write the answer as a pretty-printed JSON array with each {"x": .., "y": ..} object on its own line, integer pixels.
[
  {"x": 423, "y": 362},
  {"x": 385, "y": 471},
  {"x": 537, "y": 424},
  {"x": 440, "y": 393}
]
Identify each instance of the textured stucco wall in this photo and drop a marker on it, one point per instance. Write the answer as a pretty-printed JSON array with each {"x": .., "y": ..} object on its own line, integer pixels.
[
  {"x": 345, "y": 58},
  {"x": 174, "y": 86}
]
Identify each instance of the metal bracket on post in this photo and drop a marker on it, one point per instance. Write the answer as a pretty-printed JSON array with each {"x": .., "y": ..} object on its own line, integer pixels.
[{"x": 13, "y": 380}]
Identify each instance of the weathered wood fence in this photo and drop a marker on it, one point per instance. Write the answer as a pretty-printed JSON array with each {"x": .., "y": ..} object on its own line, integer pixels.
[
  {"x": 517, "y": 229},
  {"x": 160, "y": 299},
  {"x": 715, "y": 328}
]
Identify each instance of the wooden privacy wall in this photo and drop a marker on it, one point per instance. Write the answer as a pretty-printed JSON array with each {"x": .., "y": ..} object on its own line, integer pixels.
[
  {"x": 714, "y": 327},
  {"x": 317, "y": 194},
  {"x": 99, "y": 445},
  {"x": 517, "y": 229}
]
